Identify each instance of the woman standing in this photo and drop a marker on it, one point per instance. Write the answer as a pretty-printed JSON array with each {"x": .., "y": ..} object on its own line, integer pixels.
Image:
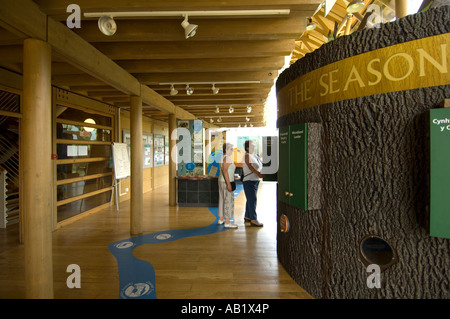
[
  {"x": 226, "y": 193},
  {"x": 252, "y": 167}
]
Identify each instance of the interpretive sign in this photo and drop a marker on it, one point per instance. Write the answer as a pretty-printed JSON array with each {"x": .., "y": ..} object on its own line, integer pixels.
[{"x": 440, "y": 172}]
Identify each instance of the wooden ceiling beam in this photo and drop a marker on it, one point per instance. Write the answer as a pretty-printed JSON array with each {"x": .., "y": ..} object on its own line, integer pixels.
[
  {"x": 227, "y": 102},
  {"x": 154, "y": 79},
  {"x": 55, "y": 7},
  {"x": 222, "y": 86},
  {"x": 168, "y": 66},
  {"x": 202, "y": 49},
  {"x": 210, "y": 64},
  {"x": 222, "y": 93}
]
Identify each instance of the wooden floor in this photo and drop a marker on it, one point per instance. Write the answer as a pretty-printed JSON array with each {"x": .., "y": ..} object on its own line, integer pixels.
[{"x": 234, "y": 264}]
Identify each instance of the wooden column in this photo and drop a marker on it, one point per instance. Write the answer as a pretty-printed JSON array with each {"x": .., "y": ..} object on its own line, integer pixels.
[
  {"x": 36, "y": 150},
  {"x": 136, "y": 209},
  {"x": 401, "y": 8},
  {"x": 172, "y": 161}
]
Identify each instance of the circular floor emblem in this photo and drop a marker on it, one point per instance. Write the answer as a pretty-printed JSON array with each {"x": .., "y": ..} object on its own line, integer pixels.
[
  {"x": 163, "y": 236},
  {"x": 135, "y": 290},
  {"x": 125, "y": 244}
]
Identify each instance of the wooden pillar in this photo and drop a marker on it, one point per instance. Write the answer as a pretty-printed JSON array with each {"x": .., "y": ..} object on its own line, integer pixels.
[
  {"x": 401, "y": 8},
  {"x": 136, "y": 209},
  {"x": 36, "y": 150},
  {"x": 172, "y": 161}
]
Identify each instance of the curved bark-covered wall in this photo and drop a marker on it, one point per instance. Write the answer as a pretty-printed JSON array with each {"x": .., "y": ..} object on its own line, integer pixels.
[{"x": 372, "y": 168}]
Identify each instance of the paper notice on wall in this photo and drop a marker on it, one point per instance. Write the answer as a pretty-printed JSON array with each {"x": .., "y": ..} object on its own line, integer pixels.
[
  {"x": 82, "y": 150},
  {"x": 72, "y": 150}
]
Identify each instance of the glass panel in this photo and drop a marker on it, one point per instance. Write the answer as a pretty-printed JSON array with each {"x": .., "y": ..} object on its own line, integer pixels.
[
  {"x": 75, "y": 132},
  {"x": 377, "y": 251},
  {"x": 81, "y": 116},
  {"x": 82, "y": 205},
  {"x": 65, "y": 171},
  {"x": 66, "y": 131},
  {"x": 68, "y": 151},
  {"x": 79, "y": 188}
]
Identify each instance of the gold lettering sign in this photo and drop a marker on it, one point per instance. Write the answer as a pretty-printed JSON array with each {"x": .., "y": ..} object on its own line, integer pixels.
[{"x": 405, "y": 66}]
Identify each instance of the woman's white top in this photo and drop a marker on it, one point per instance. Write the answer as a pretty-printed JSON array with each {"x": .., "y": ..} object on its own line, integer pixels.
[
  {"x": 256, "y": 163},
  {"x": 231, "y": 169}
]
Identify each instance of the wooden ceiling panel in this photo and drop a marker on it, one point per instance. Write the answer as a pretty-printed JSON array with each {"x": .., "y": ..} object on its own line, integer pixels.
[{"x": 155, "y": 51}]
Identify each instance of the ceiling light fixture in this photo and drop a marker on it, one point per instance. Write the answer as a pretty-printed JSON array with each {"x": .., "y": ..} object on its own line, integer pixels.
[
  {"x": 189, "y": 28},
  {"x": 355, "y": 6},
  {"x": 211, "y": 120},
  {"x": 231, "y": 110},
  {"x": 107, "y": 25},
  {"x": 310, "y": 24},
  {"x": 189, "y": 90},
  {"x": 249, "y": 109},
  {"x": 214, "y": 89},
  {"x": 217, "y": 110},
  {"x": 247, "y": 119},
  {"x": 173, "y": 91},
  {"x": 219, "y": 120}
]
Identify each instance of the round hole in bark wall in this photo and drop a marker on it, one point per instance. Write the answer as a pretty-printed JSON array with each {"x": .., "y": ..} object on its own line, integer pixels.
[
  {"x": 284, "y": 223},
  {"x": 375, "y": 250}
]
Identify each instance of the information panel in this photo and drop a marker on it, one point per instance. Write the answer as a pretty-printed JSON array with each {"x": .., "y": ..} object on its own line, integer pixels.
[
  {"x": 121, "y": 160},
  {"x": 292, "y": 169},
  {"x": 440, "y": 172}
]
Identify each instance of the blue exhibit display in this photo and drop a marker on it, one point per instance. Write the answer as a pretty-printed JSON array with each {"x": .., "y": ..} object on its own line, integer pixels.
[
  {"x": 214, "y": 163},
  {"x": 136, "y": 276}
]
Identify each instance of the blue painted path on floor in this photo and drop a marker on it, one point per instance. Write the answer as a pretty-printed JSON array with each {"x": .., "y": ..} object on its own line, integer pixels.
[{"x": 136, "y": 276}]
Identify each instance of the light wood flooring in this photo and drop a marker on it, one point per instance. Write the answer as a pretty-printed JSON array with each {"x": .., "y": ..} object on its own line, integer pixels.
[{"x": 234, "y": 264}]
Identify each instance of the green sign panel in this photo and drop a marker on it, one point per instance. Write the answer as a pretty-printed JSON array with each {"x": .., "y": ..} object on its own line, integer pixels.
[
  {"x": 292, "y": 168},
  {"x": 440, "y": 172}
]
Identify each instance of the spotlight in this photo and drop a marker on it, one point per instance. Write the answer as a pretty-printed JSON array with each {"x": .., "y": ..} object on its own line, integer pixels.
[
  {"x": 239, "y": 124},
  {"x": 219, "y": 120},
  {"x": 214, "y": 89},
  {"x": 173, "y": 91},
  {"x": 211, "y": 120},
  {"x": 249, "y": 109},
  {"x": 355, "y": 6},
  {"x": 247, "y": 119},
  {"x": 107, "y": 25},
  {"x": 251, "y": 125},
  {"x": 310, "y": 25},
  {"x": 189, "y": 90},
  {"x": 231, "y": 110},
  {"x": 189, "y": 29},
  {"x": 217, "y": 110},
  {"x": 245, "y": 125}
]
